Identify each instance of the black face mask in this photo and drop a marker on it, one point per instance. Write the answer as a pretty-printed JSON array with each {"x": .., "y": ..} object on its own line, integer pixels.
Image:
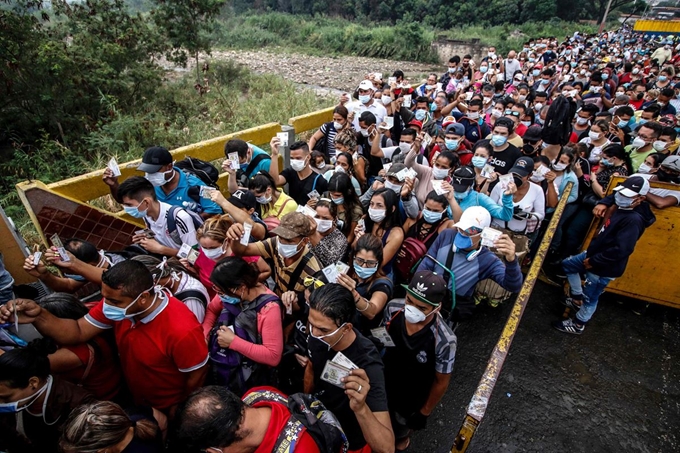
[
  {"x": 518, "y": 181},
  {"x": 639, "y": 96},
  {"x": 529, "y": 150},
  {"x": 665, "y": 177}
]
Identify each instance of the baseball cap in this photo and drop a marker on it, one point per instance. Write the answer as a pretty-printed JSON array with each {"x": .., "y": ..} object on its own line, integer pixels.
[
  {"x": 633, "y": 186},
  {"x": 293, "y": 224},
  {"x": 463, "y": 177},
  {"x": 474, "y": 216},
  {"x": 154, "y": 159},
  {"x": 533, "y": 133},
  {"x": 395, "y": 168},
  {"x": 522, "y": 167},
  {"x": 243, "y": 199},
  {"x": 366, "y": 85},
  {"x": 672, "y": 162},
  {"x": 416, "y": 123},
  {"x": 428, "y": 287},
  {"x": 448, "y": 121},
  {"x": 455, "y": 128}
]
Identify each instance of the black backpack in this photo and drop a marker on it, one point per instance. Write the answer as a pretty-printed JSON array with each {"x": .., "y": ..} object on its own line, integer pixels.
[
  {"x": 557, "y": 127},
  {"x": 205, "y": 171},
  {"x": 307, "y": 412},
  {"x": 243, "y": 176}
]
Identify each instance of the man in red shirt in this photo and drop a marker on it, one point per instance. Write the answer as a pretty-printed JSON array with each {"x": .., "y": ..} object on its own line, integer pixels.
[
  {"x": 213, "y": 420},
  {"x": 162, "y": 350}
]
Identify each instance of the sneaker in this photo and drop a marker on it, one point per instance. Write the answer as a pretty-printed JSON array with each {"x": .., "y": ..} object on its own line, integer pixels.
[
  {"x": 493, "y": 303},
  {"x": 570, "y": 302},
  {"x": 569, "y": 326}
]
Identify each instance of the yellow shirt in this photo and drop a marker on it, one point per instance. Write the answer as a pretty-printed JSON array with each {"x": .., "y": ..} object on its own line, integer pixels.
[{"x": 284, "y": 205}]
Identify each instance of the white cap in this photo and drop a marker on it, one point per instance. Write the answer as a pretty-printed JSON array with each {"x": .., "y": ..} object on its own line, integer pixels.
[
  {"x": 366, "y": 85},
  {"x": 474, "y": 216}
]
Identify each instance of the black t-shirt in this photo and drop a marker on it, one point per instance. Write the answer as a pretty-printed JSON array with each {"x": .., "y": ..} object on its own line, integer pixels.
[
  {"x": 299, "y": 188},
  {"x": 503, "y": 161},
  {"x": 363, "y": 353},
  {"x": 366, "y": 290}
]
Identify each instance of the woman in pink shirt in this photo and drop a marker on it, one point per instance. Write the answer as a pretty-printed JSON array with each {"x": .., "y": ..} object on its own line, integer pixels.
[
  {"x": 245, "y": 341},
  {"x": 213, "y": 246}
]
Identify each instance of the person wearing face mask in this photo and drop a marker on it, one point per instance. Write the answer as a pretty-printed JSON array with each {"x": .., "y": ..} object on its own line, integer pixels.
[
  {"x": 596, "y": 141},
  {"x": 329, "y": 245},
  {"x": 463, "y": 197},
  {"x": 34, "y": 404},
  {"x": 272, "y": 203},
  {"x": 528, "y": 200},
  {"x": 300, "y": 178},
  {"x": 324, "y": 139},
  {"x": 481, "y": 153},
  {"x": 504, "y": 153},
  {"x": 361, "y": 406},
  {"x": 433, "y": 220},
  {"x": 246, "y": 339},
  {"x": 139, "y": 201},
  {"x": 423, "y": 112},
  {"x": 428, "y": 88},
  {"x": 171, "y": 184},
  {"x": 585, "y": 116},
  {"x": 643, "y": 144},
  {"x": 383, "y": 222},
  {"x": 288, "y": 251},
  {"x": 349, "y": 210},
  {"x": 608, "y": 253},
  {"x": 162, "y": 349},
  {"x": 86, "y": 265},
  {"x": 407, "y": 203},
  {"x": 458, "y": 252},
  {"x": 251, "y": 161},
  {"x": 354, "y": 164},
  {"x": 443, "y": 165},
  {"x": 419, "y": 364},
  {"x": 319, "y": 164},
  {"x": 474, "y": 124},
  {"x": 370, "y": 287},
  {"x": 171, "y": 276},
  {"x": 452, "y": 65},
  {"x": 662, "y": 54},
  {"x": 367, "y": 103},
  {"x": 668, "y": 172}
]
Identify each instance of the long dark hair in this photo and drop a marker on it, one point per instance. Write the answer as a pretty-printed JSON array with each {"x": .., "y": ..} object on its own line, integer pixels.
[
  {"x": 392, "y": 217},
  {"x": 260, "y": 182},
  {"x": 616, "y": 150},
  {"x": 232, "y": 272},
  {"x": 340, "y": 182},
  {"x": 370, "y": 243}
]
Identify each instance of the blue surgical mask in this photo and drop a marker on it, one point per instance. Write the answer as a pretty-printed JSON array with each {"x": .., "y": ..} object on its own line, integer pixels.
[
  {"x": 623, "y": 201},
  {"x": 364, "y": 272},
  {"x": 479, "y": 161},
  {"x": 606, "y": 162},
  {"x": 134, "y": 211},
  {"x": 451, "y": 144},
  {"x": 605, "y": 76},
  {"x": 340, "y": 200},
  {"x": 114, "y": 313},
  {"x": 462, "y": 242},
  {"x": 13, "y": 407},
  {"x": 365, "y": 98},
  {"x": 535, "y": 72},
  {"x": 229, "y": 299},
  {"x": 431, "y": 216},
  {"x": 622, "y": 123},
  {"x": 420, "y": 114},
  {"x": 461, "y": 195},
  {"x": 663, "y": 78},
  {"x": 642, "y": 121},
  {"x": 498, "y": 140},
  {"x": 483, "y": 69}
]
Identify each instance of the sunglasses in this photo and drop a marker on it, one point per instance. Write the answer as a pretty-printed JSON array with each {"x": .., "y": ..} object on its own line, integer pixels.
[
  {"x": 472, "y": 231},
  {"x": 309, "y": 281}
]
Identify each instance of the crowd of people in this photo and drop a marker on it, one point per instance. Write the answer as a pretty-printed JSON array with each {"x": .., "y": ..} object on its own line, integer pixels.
[{"x": 322, "y": 318}]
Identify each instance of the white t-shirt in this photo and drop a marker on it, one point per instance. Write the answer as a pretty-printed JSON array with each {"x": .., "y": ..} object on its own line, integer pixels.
[
  {"x": 375, "y": 108},
  {"x": 663, "y": 193},
  {"x": 533, "y": 202},
  {"x": 197, "y": 307},
  {"x": 185, "y": 227},
  {"x": 596, "y": 152}
]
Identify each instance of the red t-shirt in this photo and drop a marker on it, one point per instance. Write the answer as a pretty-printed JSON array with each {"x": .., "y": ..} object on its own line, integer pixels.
[
  {"x": 104, "y": 378},
  {"x": 278, "y": 420},
  {"x": 157, "y": 353},
  {"x": 521, "y": 129}
]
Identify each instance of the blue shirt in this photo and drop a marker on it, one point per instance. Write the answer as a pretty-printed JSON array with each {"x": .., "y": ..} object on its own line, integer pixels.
[
  {"x": 262, "y": 165},
  {"x": 180, "y": 195},
  {"x": 479, "y": 199}
]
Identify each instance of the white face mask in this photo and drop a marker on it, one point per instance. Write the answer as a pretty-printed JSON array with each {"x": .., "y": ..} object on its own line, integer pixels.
[
  {"x": 287, "y": 250},
  {"x": 364, "y": 132},
  {"x": 386, "y": 100},
  {"x": 337, "y": 125},
  {"x": 559, "y": 166},
  {"x": 396, "y": 188},
  {"x": 413, "y": 315},
  {"x": 593, "y": 135},
  {"x": 440, "y": 173},
  {"x": 659, "y": 146},
  {"x": 638, "y": 142},
  {"x": 158, "y": 179},
  {"x": 581, "y": 121},
  {"x": 376, "y": 215},
  {"x": 213, "y": 254},
  {"x": 323, "y": 225},
  {"x": 644, "y": 168},
  {"x": 297, "y": 165}
]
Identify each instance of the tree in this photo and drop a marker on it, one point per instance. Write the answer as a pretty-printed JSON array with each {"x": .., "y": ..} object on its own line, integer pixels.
[{"x": 184, "y": 22}]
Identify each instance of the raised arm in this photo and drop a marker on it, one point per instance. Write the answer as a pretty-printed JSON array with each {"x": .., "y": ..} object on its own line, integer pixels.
[{"x": 274, "y": 165}]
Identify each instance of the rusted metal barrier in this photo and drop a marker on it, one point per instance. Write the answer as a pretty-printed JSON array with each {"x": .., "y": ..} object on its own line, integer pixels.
[{"x": 480, "y": 400}]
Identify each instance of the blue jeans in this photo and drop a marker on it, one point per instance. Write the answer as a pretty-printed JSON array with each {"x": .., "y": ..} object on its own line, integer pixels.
[{"x": 591, "y": 291}]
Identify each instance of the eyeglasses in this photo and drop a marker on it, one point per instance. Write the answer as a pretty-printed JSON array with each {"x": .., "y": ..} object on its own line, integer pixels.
[
  {"x": 366, "y": 263},
  {"x": 308, "y": 281}
]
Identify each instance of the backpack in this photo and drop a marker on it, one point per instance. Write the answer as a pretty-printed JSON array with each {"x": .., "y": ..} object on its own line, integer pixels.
[
  {"x": 409, "y": 256},
  {"x": 172, "y": 223},
  {"x": 321, "y": 145},
  {"x": 307, "y": 413},
  {"x": 205, "y": 171},
  {"x": 230, "y": 368},
  {"x": 557, "y": 127},
  {"x": 243, "y": 176},
  {"x": 274, "y": 221}
]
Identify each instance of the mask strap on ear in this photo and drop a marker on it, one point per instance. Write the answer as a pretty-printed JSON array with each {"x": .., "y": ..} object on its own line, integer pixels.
[
  {"x": 161, "y": 267},
  {"x": 103, "y": 259}
]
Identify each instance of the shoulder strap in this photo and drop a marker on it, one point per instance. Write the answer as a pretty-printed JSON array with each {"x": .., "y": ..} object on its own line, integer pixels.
[
  {"x": 254, "y": 161},
  {"x": 289, "y": 437},
  {"x": 315, "y": 180},
  {"x": 298, "y": 271},
  {"x": 172, "y": 222},
  {"x": 283, "y": 206},
  {"x": 192, "y": 293}
]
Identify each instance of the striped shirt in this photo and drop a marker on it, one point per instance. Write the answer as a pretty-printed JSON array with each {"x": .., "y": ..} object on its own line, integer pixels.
[
  {"x": 282, "y": 273},
  {"x": 329, "y": 131}
]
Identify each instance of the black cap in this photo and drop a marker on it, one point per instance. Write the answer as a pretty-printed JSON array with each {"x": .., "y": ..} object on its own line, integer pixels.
[
  {"x": 463, "y": 177},
  {"x": 533, "y": 133},
  {"x": 523, "y": 166},
  {"x": 154, "y": 159},
  {"x": 428, "y": 287},
  {"x": 243, "y": 199}
]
